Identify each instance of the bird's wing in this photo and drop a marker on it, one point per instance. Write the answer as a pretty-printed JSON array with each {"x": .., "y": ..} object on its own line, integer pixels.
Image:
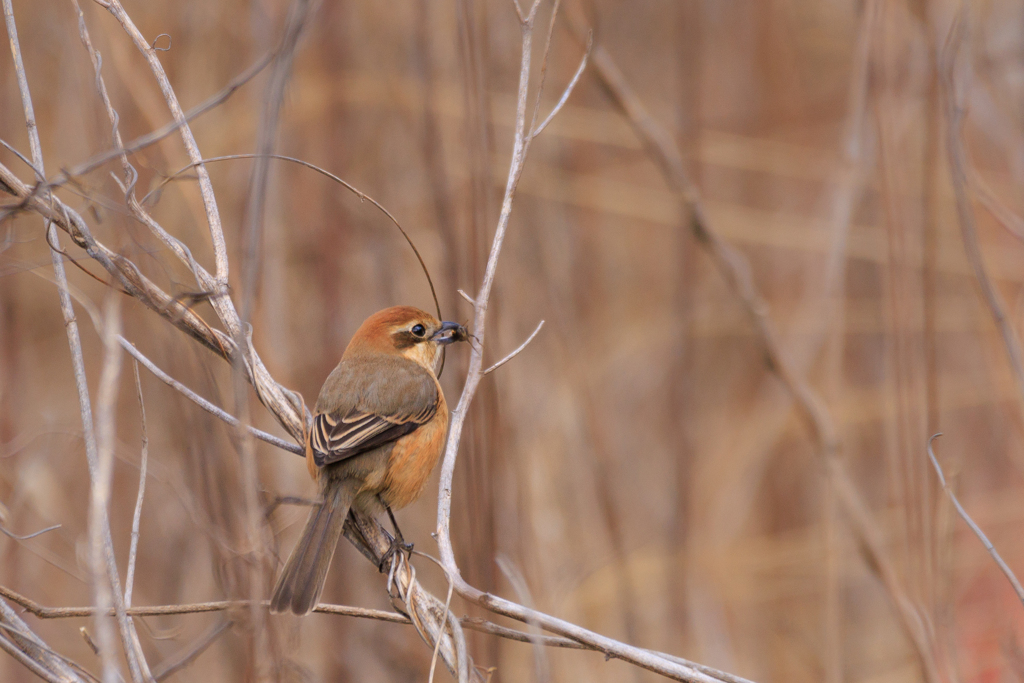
[{"x": 372, "y": 404}]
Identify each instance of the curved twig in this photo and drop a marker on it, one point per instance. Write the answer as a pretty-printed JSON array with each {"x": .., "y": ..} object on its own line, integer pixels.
[
  {"x": 16, "y": 537},
  {"x": 363, "y": 197}
]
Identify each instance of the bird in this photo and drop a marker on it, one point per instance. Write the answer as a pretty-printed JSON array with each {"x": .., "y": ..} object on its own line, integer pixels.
[{"x": 379, "y": 427}]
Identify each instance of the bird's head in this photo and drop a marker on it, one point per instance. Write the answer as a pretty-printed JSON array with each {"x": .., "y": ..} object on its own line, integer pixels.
[{"x": 406, "y": 331}]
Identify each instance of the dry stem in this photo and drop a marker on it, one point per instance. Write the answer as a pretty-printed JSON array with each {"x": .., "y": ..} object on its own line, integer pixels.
[
  {"x": 640, "y": 657},
  {"x": 1003, "y": 567},
  {"x": 736, "y": 270},
  {"x": 102, "y": 541},
  {"x": 431, "y": 616}
]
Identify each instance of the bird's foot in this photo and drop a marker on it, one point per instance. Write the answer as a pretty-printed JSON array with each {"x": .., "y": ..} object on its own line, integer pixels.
[{"x": 398, "y": 544}]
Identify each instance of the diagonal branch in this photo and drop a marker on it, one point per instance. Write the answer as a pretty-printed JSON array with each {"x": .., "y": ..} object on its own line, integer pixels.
[
  {"x": 18, "y": 641},
  {"x": 1003, "y": 567},
  {"x": 735, "y": 268},
  {"x": 99, "y": 522},
  {"x": 220, "y": 250},
  {"x": 958, "y": 166},
  {"x": 289, "y": 409},
  {"x": 207, "y": 405},
  {"x": 647, "y": 659}
]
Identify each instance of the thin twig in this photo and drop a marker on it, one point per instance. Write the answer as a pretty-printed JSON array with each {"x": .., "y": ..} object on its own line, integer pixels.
[
  {"x": 24, "y": 159},
  {"x": 472, "y": 623},
  {"x": 437, "y": 645},
  {"x": 126, "y": 273},
  {"x": 266, "y": 138},
  {"x": 175, "y": 384},
  {"x": 100, "y": 487},
  {"x": 25, "y": 646},
  {"x": 736, "y": 270},
  {"x": 29, "y": 663},
  {"x": 156, "y": 136},
  {"x": 129, "y": 579},
  {"x": 484, "y": 626},
  {"x": 16, "y": 537},
  {"x": 133, "y": 653},
  {"x": 1003, "y": 567},
  {"x": 43, "y": 612},
  {"x": 568, "y": 90},
  {"x": 363, "y": 197},
  {"x": 515, "y": 353},
  {"x": 522, "y": 591},
  {"x": 609, "y": 646},
  {"x": 205, "y": 186},
  {"x": 958, "y": 166},
  {"x": 206, "y": 405},
  {"x": 189, "y": 655},
  {"x": 1013, "y": 223},
  {"x": 543, "y": 65}
]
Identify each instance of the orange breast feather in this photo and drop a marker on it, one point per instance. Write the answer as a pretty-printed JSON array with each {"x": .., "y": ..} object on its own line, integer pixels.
[{"x": 413, "y": 459}]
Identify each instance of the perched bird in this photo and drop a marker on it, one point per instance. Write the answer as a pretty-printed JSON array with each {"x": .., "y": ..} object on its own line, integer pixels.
[{"x": 380, "y": 426}]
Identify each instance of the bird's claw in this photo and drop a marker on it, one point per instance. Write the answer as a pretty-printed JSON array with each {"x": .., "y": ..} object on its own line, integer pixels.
[{"x": 397, "y": 545}]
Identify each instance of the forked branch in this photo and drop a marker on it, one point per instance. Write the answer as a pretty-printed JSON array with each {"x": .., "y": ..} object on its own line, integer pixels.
[{"x": 657, "y": 662}]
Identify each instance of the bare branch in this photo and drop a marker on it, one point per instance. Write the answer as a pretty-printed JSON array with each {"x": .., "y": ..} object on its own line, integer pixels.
[
  {"x": 437, "y": 645},
  {"x": 136, "y": 662},
  {"x": 363, "y": 197},
  {"x": 427, "y": 611},
  {"x": 568, "y": 89},
  {"x": 1003, "y": 567},
  {"x": 206, "y": 405},
  {"x": 609, "y": 646},
  {"x": 958, "y": 166},
  {"x": 99, "y": 499},
  {"x": 156, "y": 136},
  {"x": 17, "y": 640},
  {"x": 515, "y": 353},
  {"x": 472, "y": 623},
  {"x": 43, "y": 612},
  {"x": 29, "y": 663},
  {"x": 205, "y": 186},
  {"x": 1013, "y": 223},
  {"x": 522, "y": 590},
  {"x": 284, "y": 405},
  {"x": 24, "y": 159},
  {"x": 736, "y": 270},
  {"x": 129, "y": 580},
  {"x": 519, "y": 11},
  {"x": 458, "y": 416},
  {"x": 16, "y": 537},
  {"x": 543, "y": 63},
  {"x": 189, "y": 655},
  {"x": 126, "y": 273}
]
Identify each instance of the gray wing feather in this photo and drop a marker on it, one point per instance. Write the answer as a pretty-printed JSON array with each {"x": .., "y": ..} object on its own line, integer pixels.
[{"x": 367, "y": 403}]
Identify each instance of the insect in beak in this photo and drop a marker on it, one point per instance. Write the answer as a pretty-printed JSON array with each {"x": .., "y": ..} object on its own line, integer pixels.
[{"x": 450, "y": 332}]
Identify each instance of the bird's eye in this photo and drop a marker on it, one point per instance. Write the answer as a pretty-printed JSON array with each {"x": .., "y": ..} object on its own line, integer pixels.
[{"x": 419, "y": 330}]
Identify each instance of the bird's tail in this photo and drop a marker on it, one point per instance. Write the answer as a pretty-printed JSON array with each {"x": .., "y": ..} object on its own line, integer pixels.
[{"x": 302, "y": 579}]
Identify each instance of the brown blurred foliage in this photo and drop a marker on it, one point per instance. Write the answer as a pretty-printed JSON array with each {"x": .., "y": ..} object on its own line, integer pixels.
[{"x": 639, "y": 463}]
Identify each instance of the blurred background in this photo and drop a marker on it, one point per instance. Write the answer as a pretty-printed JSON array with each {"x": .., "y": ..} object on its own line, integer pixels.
[{"x": 639, "y": 464}]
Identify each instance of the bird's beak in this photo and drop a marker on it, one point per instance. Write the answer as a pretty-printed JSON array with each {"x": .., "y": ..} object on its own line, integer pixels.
[{"x": 450, "y": 332}]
